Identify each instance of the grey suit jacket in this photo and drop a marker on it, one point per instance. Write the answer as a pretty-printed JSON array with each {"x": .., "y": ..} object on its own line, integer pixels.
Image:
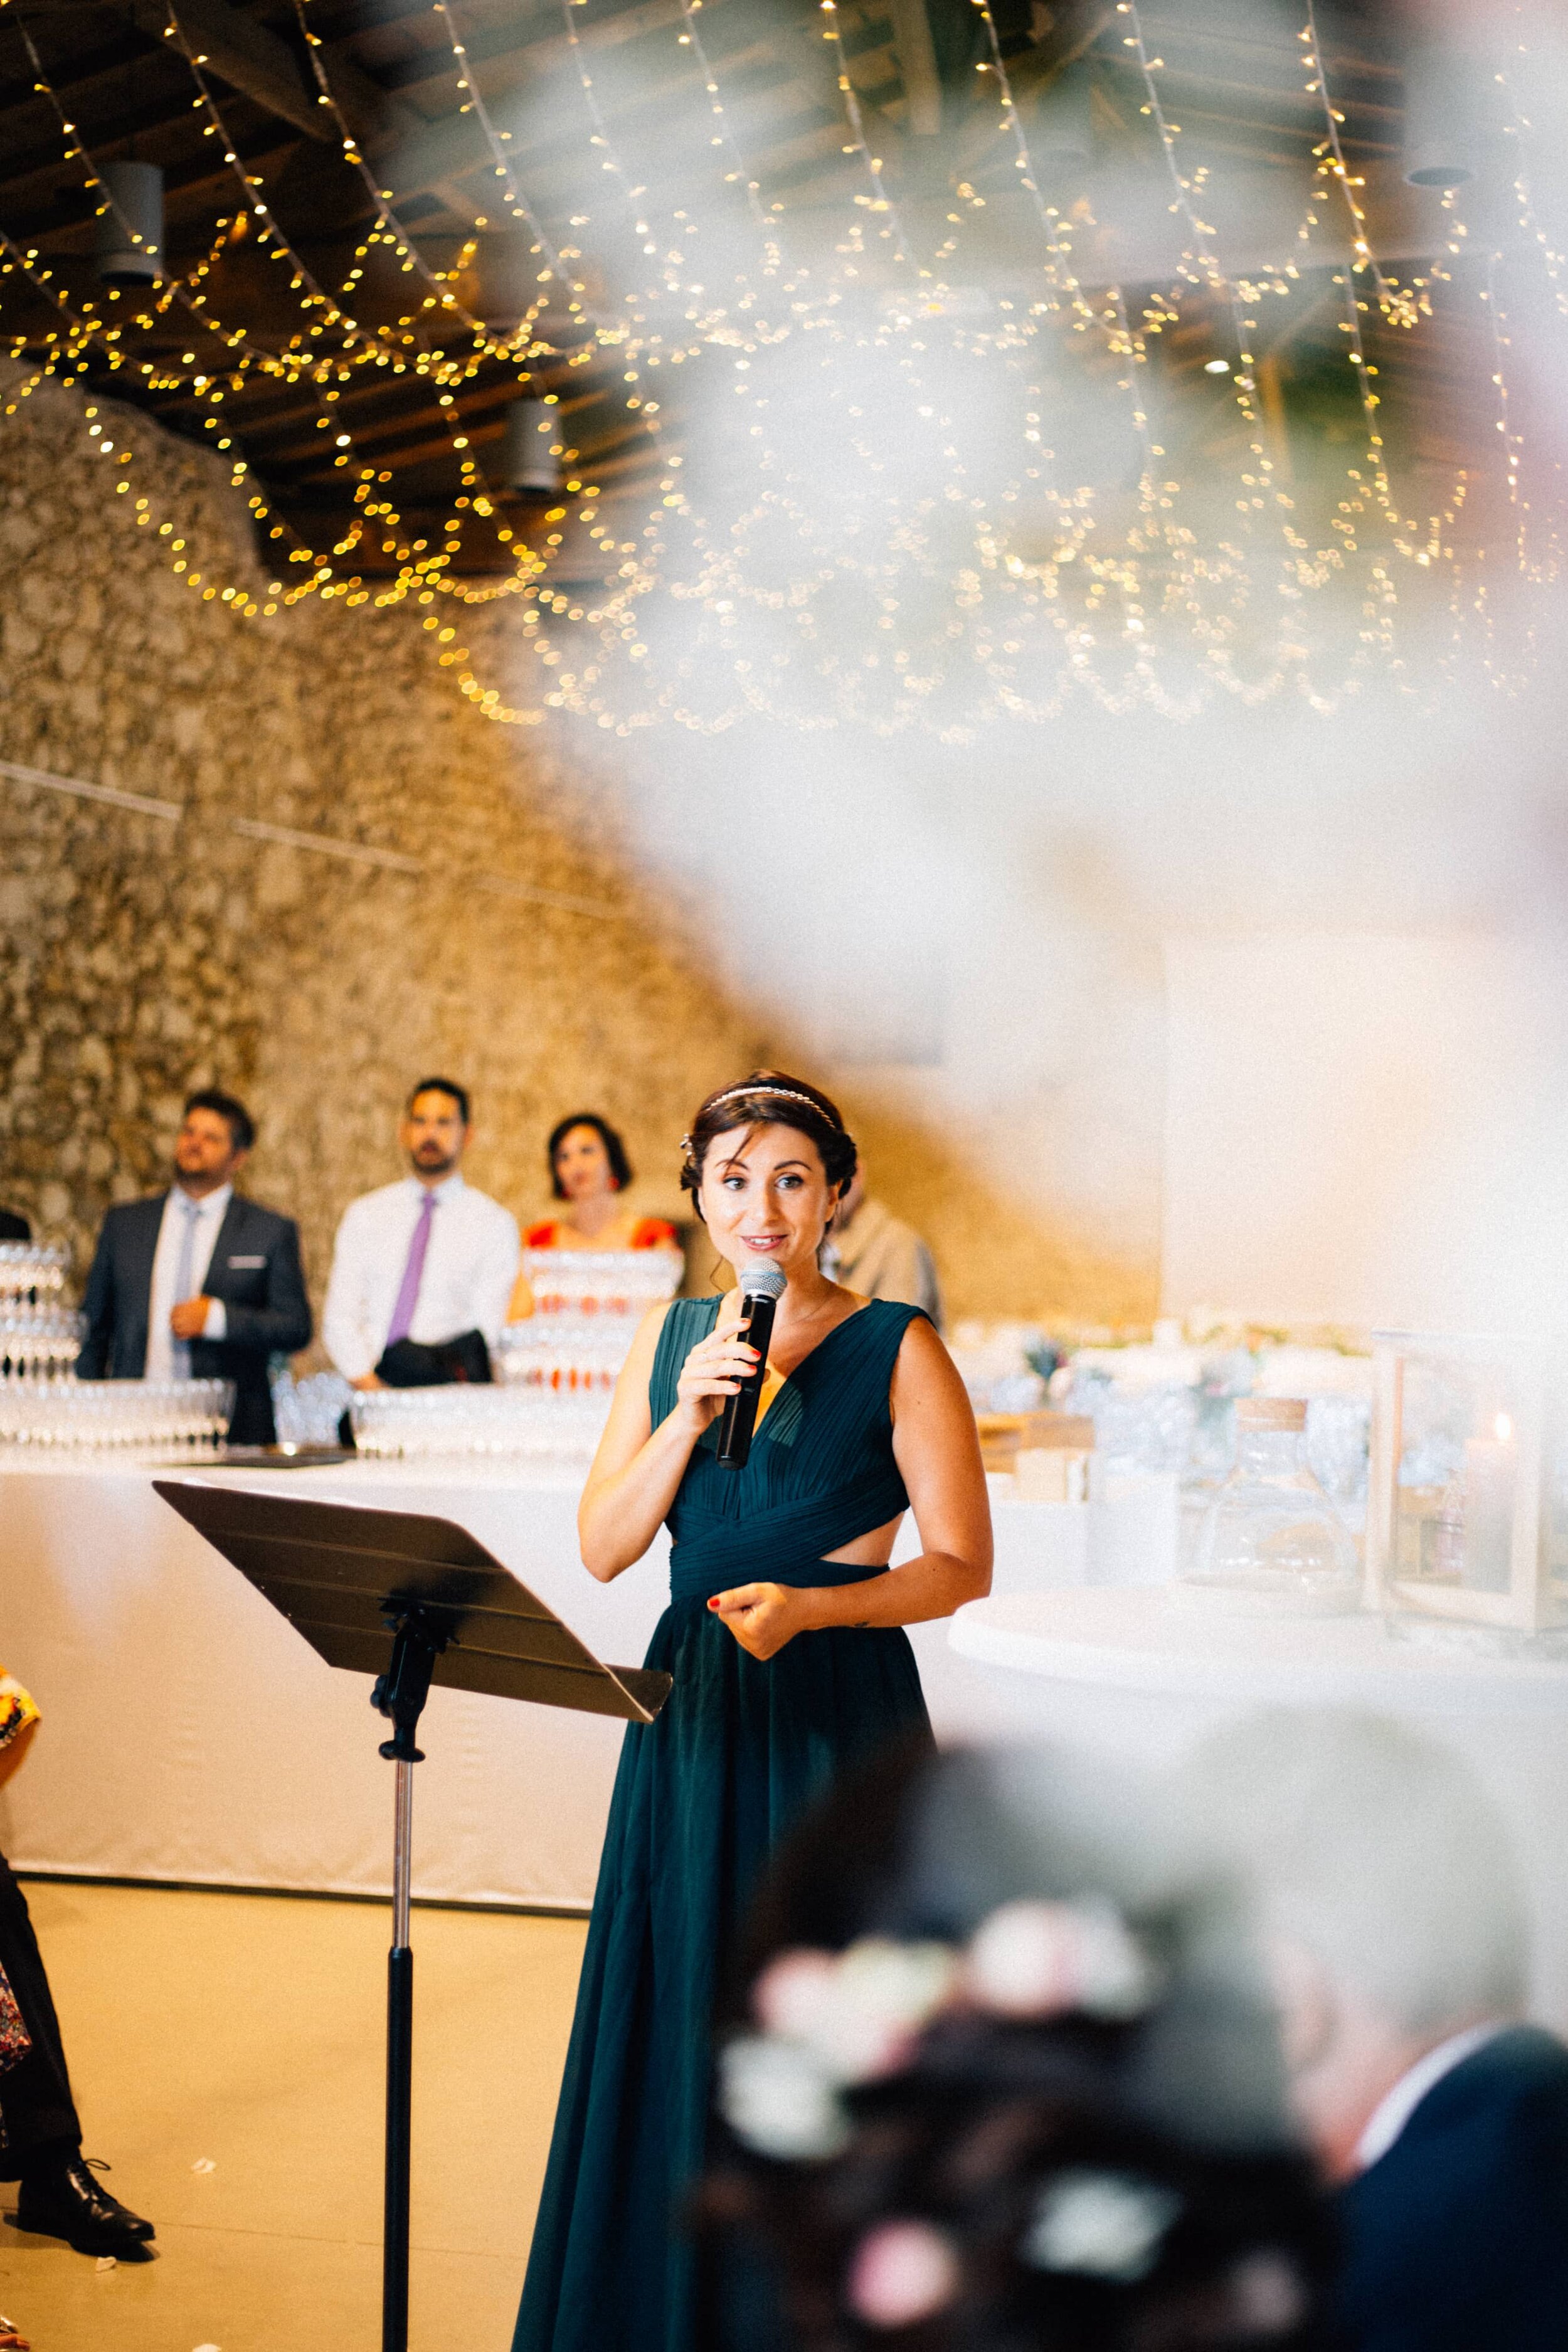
[{"x": 255, "y": 1270}]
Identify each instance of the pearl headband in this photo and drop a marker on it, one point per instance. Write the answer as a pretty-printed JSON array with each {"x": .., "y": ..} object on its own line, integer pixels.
[{"x": 778, "y": 1094}]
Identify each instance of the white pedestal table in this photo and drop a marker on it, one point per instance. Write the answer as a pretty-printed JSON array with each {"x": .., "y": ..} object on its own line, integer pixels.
[{"x": 1129, "y": 1673}]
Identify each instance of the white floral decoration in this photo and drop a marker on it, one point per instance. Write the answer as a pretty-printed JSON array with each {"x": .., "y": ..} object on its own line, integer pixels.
[
  {"x": 859, "y": 2012},
  {"x": 1101, "y": 2225},
  {"x": 1040, "y": 1960},
  {"x": 781, "y": 2100},
  {"x": 901, "y": 2272},
  {"x": 830, "y": 2020}
]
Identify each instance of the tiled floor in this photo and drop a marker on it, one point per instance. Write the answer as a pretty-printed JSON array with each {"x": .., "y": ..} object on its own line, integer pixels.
[{"x": 246, "y": 2032}]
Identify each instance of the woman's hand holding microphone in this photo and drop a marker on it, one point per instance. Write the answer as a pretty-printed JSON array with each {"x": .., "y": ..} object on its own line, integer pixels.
[
  {"x": 762, "y": 1617},
  {"x": 712, "y": 1373}
]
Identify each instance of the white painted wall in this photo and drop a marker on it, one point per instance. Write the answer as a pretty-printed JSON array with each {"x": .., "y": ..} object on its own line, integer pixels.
[{"x": 1366, "y": 1128}]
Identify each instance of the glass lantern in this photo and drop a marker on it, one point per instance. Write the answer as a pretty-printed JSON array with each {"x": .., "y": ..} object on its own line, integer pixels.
[
  {"x": 1271, "y": 1543},
  {"x": 1468, "y": 1510}
]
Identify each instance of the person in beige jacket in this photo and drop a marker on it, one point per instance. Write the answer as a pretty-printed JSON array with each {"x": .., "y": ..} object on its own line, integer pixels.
[{"x": 869, "y": 1250}]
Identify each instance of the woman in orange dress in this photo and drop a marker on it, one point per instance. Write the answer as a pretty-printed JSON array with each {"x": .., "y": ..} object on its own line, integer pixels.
[{"x": 589, "y": 1169}]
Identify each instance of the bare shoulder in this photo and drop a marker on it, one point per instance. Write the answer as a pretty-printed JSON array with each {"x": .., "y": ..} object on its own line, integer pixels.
[
  {"x": 936, "y": 1442},
  {"x": 924, "y": 1374}
]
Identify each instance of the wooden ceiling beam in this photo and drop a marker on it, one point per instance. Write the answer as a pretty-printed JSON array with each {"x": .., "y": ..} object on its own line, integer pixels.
[
  {"x": 917, "y": 63},
  {"x": 182, "y": 186},
  {"x": 385, "y": 447},
  {"x": 78, "y": 74},
  {"x": 423, "y": 156},
  {"x": 550, "y": 51},
  {"x": 339, "y": 21},
  {"x": 242, "y": 52},
  {"x": 47, "y": 160}
]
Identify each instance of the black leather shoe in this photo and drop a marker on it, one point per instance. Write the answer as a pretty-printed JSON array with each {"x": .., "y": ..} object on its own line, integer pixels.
[{"x": 65, "y": 2202}]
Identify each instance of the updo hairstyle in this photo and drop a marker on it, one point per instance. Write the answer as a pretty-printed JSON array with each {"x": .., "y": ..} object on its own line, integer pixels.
[
  {"x": 989, "y": 2086},
  {"x": 770, "y": 1098},
  {"x": 614, "y": 1150}
]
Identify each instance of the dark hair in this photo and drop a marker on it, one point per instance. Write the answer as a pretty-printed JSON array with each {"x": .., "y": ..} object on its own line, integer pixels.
[
  {"x": 449, "y": 1086},
  {"x": 241, "y": 1126},
  {"x": 770, "y": 1098},
  {"x": 981, "y": 2128},
  {"x": 614, "y": 1150}
]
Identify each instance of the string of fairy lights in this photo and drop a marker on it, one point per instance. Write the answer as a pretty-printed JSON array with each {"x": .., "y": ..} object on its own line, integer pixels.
[{"x": 850, "y": 536}]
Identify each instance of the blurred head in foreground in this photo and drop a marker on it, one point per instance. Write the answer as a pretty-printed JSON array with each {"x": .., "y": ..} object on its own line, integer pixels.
[
  {"x": 1388, "y": 1896},
  {"x": 1396, "y": 1932},
  {"x": 1003, "y": 2076}
]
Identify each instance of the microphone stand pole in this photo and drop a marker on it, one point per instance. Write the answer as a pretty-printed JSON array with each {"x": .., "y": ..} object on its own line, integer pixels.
[{"x": 400, "y": 1693}]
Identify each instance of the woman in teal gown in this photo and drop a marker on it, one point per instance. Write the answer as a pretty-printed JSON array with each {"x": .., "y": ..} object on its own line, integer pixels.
[{"x": 783, "y": 1638}]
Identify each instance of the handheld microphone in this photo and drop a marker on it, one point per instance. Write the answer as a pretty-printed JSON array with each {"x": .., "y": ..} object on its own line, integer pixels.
[{"x": 762, "y": 1287}]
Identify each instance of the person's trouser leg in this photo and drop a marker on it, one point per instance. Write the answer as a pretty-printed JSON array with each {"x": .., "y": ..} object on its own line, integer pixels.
[{"x": 38, "y": 2113}]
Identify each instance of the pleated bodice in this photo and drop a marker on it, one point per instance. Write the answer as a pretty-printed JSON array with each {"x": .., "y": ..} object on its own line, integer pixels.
[{"x": 821, "y": 1470}]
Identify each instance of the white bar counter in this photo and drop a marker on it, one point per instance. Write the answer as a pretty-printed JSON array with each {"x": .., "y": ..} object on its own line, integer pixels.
[{"x": 190, "y": 1735}]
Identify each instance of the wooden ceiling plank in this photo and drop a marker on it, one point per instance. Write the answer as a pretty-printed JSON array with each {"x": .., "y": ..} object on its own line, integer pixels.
[
  {"x": 74, "y": 236},
  {"x": 243, "y": 52}
]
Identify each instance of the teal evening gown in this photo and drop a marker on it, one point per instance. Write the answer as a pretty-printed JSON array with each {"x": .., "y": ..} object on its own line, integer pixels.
[{"x": 703, "y": 1795}]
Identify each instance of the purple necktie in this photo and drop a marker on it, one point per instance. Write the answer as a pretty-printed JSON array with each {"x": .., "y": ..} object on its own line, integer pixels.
[{"x": 409, "y": 1290}]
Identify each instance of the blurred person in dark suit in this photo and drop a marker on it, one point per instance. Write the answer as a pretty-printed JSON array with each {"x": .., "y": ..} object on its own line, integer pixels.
[
  {"x": 1399, "y": 1945},
  {"x": 199, "y": 1282}
]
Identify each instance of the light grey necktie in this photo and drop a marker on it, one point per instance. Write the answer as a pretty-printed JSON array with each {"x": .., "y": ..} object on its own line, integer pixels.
[{"x": 184, "y": 1281}]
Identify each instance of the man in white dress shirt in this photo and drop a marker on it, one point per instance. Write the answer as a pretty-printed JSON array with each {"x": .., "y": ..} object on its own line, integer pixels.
[{"x": 427, "y": 1260}]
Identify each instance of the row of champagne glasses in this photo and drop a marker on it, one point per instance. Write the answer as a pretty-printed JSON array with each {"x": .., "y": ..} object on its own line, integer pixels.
[
  {"x": 462, "y": 1420},
  {"x": 31, "y": 1270},
  {"x": 600, "y": 1282},
  {"x": 37, "y": 1341},
  {"x": 564, "y": 1352},
  {"x": 189, "y": 1416}
]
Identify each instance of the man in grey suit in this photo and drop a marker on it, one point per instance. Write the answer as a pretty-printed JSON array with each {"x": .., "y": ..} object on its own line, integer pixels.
[{"x": 199, "y": 1282}]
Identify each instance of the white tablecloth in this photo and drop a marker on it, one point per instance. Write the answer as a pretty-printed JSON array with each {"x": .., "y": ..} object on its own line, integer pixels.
[
  {"x": 190, "y": 1735},
  {"x": 1125, "y": 1673}
]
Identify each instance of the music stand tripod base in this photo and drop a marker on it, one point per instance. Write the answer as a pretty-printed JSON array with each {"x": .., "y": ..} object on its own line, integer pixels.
[{"x": 412, "y": 1600}]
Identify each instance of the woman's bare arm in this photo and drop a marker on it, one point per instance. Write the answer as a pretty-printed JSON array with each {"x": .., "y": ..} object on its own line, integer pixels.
[
  {"x": 937, "y": 1447},
  {"x": 637, "y": 1468}
]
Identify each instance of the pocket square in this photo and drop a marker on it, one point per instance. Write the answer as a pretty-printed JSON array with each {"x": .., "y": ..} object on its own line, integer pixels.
[{"x": 247, "y": 1261}]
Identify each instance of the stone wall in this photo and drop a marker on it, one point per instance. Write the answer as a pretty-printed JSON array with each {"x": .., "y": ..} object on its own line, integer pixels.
[{"x": 140, "y": 957}]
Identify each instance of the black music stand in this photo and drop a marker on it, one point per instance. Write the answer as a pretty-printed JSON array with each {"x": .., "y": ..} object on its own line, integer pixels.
[{"x": 411, "y": 1601}]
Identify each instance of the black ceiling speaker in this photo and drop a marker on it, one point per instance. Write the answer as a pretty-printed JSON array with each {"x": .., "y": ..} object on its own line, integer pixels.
[
  {"x": 1442, "y": 131},
  {"x": 129, "y": 242},
  {"x": 532, "y": 448}
]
